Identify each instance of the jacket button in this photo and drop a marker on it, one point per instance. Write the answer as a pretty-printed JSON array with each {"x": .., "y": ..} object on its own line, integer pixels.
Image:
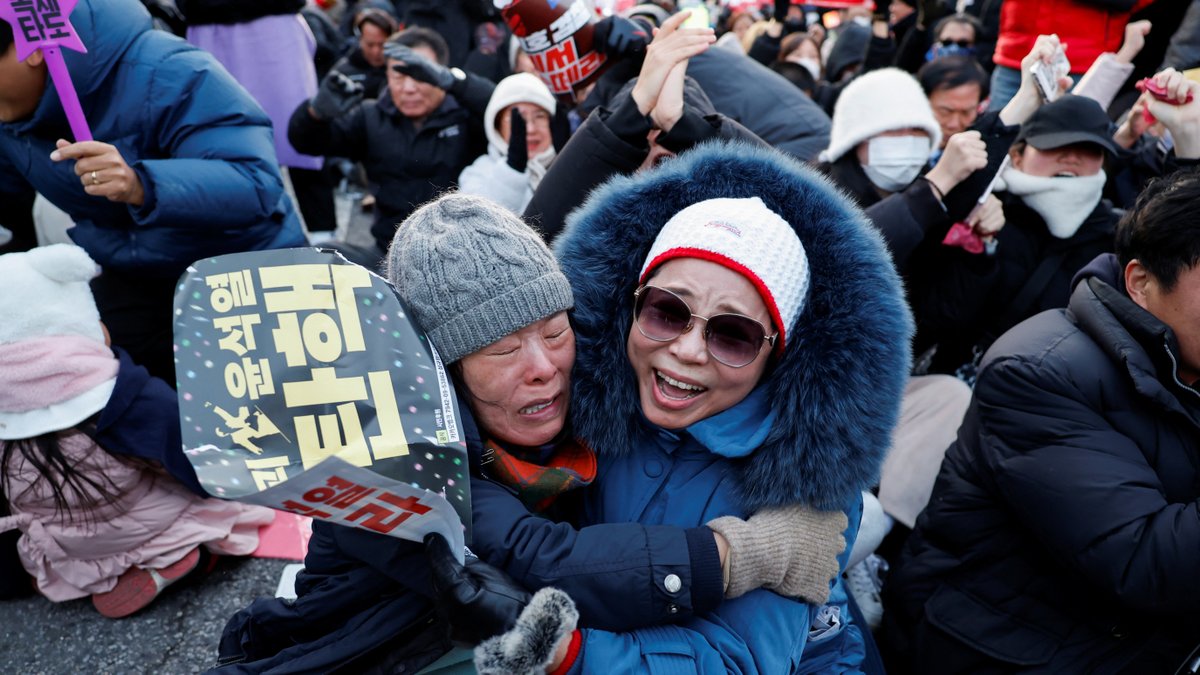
[
  {"x": 672, "y": 583},
  {"x": 672, "y": 609},
  {"x": 653, "y": 468}
]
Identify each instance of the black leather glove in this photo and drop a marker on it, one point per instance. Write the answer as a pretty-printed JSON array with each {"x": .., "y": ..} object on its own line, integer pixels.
[
  {"x": 620, "y": 37},
  {"x": 560, "y": 127},
  {"x": 418, "y": 67},
  {"x": 518, "y": 152},
  {"x": 336, "y": 96},
  {"x": 478, "y": 600}
]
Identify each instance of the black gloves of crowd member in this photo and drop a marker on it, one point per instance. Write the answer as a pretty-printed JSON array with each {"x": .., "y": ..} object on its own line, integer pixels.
[
  {"x": 418, "y": 67},
  {"x": 478, "y": 600},
  {"x": 337, "y": 95},
  {"x": 518, "y": 153},
  {"x": 620, "y": 37}
]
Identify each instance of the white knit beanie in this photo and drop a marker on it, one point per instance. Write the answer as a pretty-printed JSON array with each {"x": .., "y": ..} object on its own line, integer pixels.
[
  {"x": 519, "y": 88},
  {"x": 748, "y": 238},
  {"x": 881, "y": 100}
]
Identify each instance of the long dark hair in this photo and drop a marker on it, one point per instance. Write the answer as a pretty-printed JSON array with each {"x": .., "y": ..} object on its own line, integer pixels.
[{"x": 66, "y": 481}]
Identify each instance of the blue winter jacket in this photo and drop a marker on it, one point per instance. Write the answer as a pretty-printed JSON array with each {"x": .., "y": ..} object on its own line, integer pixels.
[
  {"x": 201, "y": 146},
  {"x": 814, "y": 431}
]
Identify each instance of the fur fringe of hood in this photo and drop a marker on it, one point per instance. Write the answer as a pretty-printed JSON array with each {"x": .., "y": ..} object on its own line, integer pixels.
[{"x": 835, "y": 392}]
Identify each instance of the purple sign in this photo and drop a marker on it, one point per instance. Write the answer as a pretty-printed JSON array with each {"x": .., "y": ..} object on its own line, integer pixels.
[{"x": 46, "y": 25}]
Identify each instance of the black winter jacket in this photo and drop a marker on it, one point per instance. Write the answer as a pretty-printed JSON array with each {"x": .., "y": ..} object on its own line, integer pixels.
[
  {"x": 612, "y": 143},
  {"x": 1063, "y": 533},
  {"x": 406, "y": 166}
]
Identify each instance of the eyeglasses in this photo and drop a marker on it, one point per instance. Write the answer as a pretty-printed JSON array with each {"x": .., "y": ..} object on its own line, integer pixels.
[
  {"x": 732, "y": 339},
  {"x": 961, "y": 44}
]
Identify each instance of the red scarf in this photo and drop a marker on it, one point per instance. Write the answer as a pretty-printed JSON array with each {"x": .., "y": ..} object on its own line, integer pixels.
[{"x": 571, "y": 465}]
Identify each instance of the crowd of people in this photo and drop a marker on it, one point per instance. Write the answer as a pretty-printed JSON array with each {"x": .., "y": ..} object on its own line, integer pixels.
[{"x": 821, "y": 341}]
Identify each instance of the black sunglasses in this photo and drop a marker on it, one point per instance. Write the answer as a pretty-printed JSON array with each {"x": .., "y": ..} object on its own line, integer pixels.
[
  {"x": 963, "y": 44},
  {"x": 732, "y": 339}
]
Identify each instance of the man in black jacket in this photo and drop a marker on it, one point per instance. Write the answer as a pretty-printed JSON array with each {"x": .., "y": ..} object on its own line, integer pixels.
[
  {"x": 1064, "y": 528},
  {"x": 413, "y": 141}
]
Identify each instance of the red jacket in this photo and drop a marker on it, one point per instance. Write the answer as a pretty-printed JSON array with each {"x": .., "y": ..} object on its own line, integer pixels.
[{"x": 1089, "y": 27}]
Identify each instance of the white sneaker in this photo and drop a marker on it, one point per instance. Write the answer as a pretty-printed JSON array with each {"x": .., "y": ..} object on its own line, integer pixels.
[{"x": 864, "y": 582}]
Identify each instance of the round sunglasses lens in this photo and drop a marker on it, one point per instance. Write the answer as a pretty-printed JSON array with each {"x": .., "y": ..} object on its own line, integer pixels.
[
  {"x": 734, "y": 340},
  {"x": 660, "y": 315}
]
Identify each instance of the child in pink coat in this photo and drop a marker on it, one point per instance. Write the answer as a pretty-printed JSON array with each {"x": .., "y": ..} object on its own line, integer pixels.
[{"x": 92, "y": 523}]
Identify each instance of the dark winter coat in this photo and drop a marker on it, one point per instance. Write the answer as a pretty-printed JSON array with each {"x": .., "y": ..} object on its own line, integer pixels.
[
  {"x": 747, "y": 92},
  {"x": 360, "y": 590},
  {"x": 198, "y": 142},
  {"x": 1063, "y": 530},
  {"x": 406, "y": 166},
  {"x": 141, "y": 420},
  {"x": 613, "y": 143},
  {"x": 814, "y": 431}
]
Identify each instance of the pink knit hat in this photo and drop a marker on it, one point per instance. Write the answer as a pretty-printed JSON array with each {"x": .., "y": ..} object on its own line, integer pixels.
[{"x": 748, "y": 238}]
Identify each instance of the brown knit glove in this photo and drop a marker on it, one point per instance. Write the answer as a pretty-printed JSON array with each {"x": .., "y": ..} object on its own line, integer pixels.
[{"x": 791, "y": 550}]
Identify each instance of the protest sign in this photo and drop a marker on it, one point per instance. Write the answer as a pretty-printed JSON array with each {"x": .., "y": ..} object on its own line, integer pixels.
[
  {"x": 46, "y": 25},
  {"x": 559, "y": 37},
  {"x": 304, "y": 386}
]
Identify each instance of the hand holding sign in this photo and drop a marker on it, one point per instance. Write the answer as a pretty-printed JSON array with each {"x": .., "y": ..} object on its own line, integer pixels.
[
  {"x": 102, "y": 170},
  {"x": 45, "y": 25}
]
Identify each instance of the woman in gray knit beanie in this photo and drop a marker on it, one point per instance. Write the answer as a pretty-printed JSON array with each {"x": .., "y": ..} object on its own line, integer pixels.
[{"x": 494, "y": 303}]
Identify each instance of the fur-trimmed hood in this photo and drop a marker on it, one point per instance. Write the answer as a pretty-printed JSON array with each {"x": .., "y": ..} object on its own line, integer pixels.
[{"x": 835, "y": 393}]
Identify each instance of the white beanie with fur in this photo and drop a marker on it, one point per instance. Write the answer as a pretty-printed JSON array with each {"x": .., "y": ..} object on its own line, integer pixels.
[{"x": 879, "y": 101}]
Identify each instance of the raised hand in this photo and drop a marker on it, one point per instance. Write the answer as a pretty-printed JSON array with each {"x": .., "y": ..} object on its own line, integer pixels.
[
  {"x": 418, "y": 67},
  {"x": 672, "y": 45},
  {"x": 965, "y": 154},
  {"x": 337, "y": 95},
  {"x": 518, "y": 151}
]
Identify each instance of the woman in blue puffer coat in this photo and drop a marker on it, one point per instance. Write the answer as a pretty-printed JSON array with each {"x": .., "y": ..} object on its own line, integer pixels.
[{"x": 737, "y": 348}]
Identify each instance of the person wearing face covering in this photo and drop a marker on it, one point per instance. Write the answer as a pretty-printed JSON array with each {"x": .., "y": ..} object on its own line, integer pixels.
[
  {"x": 884, "y": 132},
  {"x": 1056, "y": 221}
]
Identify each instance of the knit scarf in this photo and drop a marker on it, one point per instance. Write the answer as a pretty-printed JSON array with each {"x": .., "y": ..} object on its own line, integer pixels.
[
  {"x": 1063, "y": 202},
  {"x": 540, "y": 475}
]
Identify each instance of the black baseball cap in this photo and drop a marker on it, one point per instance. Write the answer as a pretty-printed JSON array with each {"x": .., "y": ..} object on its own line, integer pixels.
[{"x": 1066, "y": 121}]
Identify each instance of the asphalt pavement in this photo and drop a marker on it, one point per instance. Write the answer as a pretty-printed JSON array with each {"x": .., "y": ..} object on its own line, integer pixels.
[{"x": 178, "y": 633}]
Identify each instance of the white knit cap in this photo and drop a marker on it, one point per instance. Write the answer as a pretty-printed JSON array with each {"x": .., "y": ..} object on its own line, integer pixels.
[
  {"x": 519, "y": 88},
  {"x": 748, "y": 238},
  {"x": 881, "y": 100}
]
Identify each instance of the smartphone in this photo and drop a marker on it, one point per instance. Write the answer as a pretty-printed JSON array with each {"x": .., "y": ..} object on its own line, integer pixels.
[
  {"x": 1047, "y": 75},
  {"x": 699, "y": 17}
]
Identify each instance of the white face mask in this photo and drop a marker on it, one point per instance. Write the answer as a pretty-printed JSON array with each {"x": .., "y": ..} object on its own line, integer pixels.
[
  {"x": 1063, "y": 202},
  {"x": 813, "y": 66},
  {"x": 893, "y": 162}
]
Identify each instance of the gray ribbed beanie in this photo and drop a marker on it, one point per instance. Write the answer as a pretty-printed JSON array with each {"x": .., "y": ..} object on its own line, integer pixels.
[{"x": 472, "y": 272}]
